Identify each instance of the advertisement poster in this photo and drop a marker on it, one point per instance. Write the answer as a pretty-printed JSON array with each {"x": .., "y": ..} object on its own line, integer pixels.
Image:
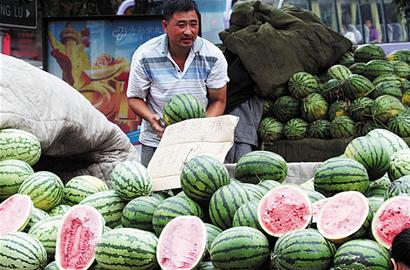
[{"x": 94, "y": 56}]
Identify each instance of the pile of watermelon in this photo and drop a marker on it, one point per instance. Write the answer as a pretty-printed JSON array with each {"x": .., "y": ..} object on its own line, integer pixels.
[
  {"x": 366, "y": 90},
  {"x": 344, "y": 218}
]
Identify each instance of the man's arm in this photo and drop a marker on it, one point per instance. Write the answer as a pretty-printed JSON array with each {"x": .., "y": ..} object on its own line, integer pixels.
[
  {"x": 140, "y": 108},
  {"x": 217, "y": 101}
]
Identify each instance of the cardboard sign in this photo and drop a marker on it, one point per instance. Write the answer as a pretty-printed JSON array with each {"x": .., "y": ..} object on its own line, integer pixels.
[{"x": 182, "y": 141}]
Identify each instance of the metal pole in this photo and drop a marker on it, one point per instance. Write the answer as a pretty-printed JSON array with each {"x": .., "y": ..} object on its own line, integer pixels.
[
  {"x": 384, "y": 22},
  {"x": 2, "y": 34}
]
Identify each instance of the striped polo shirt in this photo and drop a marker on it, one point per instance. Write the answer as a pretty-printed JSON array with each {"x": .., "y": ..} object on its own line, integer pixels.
[{"x": 155, "y": 77}]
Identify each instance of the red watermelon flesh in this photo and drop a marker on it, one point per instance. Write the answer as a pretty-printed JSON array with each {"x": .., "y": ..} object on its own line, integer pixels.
[
  {"x": 283, "y": 209},
  {"x": 391, "y": 218},
  {"x": 15, "y": 213},
  {"x": 343, "y": 215},
  {"x": 77, "y": 237},
  {"x": 182, "y": 243}
]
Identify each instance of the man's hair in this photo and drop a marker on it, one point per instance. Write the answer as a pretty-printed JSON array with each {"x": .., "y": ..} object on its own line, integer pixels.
[
  {"x": 172, "y": 6},
  {"x": 400, "y": 248}
]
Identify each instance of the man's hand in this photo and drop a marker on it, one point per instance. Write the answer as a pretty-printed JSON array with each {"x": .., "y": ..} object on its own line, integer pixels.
[{"x": 156, "y": 125}]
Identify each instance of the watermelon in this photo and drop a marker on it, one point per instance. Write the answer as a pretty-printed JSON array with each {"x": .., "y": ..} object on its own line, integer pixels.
[
  {"x": 399, "y": 187},
  {"x": 212, "y": 232},
  {"x": 19, "y": 144},
  {"x": 399, "y": 55},
  {"x": 240, "y": 248},
  {"x": 386, "y": 88},
  {"x": 391, "y": 218},
  {"x": 286, "y": 108},
  {"x": 375, "y": 68},
  {"x": 77, "y": 237},
  {"x": 302, "y": 250},
  {"x": 378, "y": 187},
  {"x": 201, "y": 176},
  {"x": 12, "y": 173},
  {"x": 390, "y": 141},
  {"x": 364, "y": 127},
  {"x": 181, "y": 107},
  {"x": 405, "y": 99},
  {"x": 131, "y": 179},
  {"x": 361, "y": 254},
  {"x": 338, "y": 108},
  {"x": 319, "y": 129},
  {"x": 127, "y": 249},
  {"x": 371, "y": 153},
  {"x": 316, "y": 208},
  {"x": 46, "y": 232},
  {"x": 15, "y": 213},
  {"x": 358, "y": 68},
  {"x": 206, "y": 266},
  {"x": 257, "y": 166},
  {"x": 338, "y": 72},
  {"x": 267, "y": 107},
  {"x": 20, "y": 250},
  {"x": 368, "y": 52},
  {"x": 356, "y": 86},
  {"x": 374, "y": 204},
  {"x": 182, "y": 243},
  {"x": 390, "y": 78},
  {"x": 44, "y": 188},
  {"x": 138, "y": 213},
  {"x": 51, "y": 266},
  {"x": 400, "y": 124},
  {"x": 270, "y": 129},
  {"x": 79, "y": 187},
  {"x": 399, "y": 164},
  {"x": 246, "y": 215},
  {"x": 340, "y": 174},
  {"x": 301, "y": 84},
  {"x": 314, "y": 195},
  {"x": 386, "y": 107},
  {"x": 331, "y": 90},
  {"x": 346, "y": 59},
  {"x": 59, "y": 210},
  {"x": 401, "y": 69},
  {"x": 314, "y": 107},
  {"x": 295, "y": 129},
  {"x": 343, "y": 215},
  {"x": 36, "y": 216},
  {"x": 342, "y": 127},
  {"x": 360, "y": 108},
  {"x": 256, "y": 190},
  {"x": 283, "y": 209}
]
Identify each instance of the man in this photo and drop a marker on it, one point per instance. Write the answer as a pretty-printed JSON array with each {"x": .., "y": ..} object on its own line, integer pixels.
[
  {"x": 177, "y": 62},
  {"x": 400, "y": 250}
]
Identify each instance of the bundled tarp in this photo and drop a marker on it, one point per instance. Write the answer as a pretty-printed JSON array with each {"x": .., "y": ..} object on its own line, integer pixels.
[
  {"x": 265, "y": 46},
  {"x": 76, "y": 139}
]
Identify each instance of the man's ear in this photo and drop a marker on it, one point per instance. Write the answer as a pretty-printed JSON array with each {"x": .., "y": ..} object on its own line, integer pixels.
[
  {"x": 394, "y": 264},
  {"x": 164, "y": 24}
]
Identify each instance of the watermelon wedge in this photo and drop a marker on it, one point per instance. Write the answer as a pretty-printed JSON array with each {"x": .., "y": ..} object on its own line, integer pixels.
[
  {"x": 77, "y": 238},
  {"x": 182, "y": 243},
  {"x": 283, "y": 209},
  {"x": 343, "y": 215},
  {"x": 391, "y": 218},
  {"x": 15, "y": 213}
]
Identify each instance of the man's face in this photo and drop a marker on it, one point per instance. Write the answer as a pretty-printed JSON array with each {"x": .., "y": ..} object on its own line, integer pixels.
[{"x": 182, "y": 29}]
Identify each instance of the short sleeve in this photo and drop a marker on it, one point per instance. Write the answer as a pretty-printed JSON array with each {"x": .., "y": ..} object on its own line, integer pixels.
[
  {"x": 218, "y": 76},
  {"x": 139, "y": 81}
]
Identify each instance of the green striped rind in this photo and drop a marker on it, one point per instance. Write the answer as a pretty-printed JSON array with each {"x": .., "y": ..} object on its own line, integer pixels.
[
  {"x": 400, "y": 124},
  {"x": 340, "y": 174},
  {"x": 364, "y": 127},
  {"x": 360, "y": 109},
  {"x": 51, "y": 266},
  {"x": 399, "y": 187},
  {"x": 386, "y": 88},
  {"x": 268, "y": 185},
  {"x": 256, "y": 190},
  {"x": 361, "y": 254},
  {"x": 399, "y": 164},
  {"x": 368, "y": 52},
  {"x": 59, "y": 210},
  {"x": 346, "y": 59},
  {"x": 376, "y": 68},
  {"x": 342, "y": 127},
  {"x": 286, "y": 108},
  {"x": 267, "y": 107},
  {"x": 314, "y": 107},
  {"x": 206, "y": 266},
  {"x": 295, "y": 129},
  {"x": 127, "y": 248},
  {"x": 356, "y": 86},
  {"x": 374, "y": 204},
  {"x": 303, "y": 249},
  {"x": 212, "y": 232},
  {"x": 331, "y": 90},
  {"x": 46, "y": 232},
  {"x": 401, "y": 69},
  {"x": 181, "y": 107},
  {"x": 138, "y": 213},
  {"x": 224, "y": 203},
  {"x": 270, "y": 129},
  {"x": 338, "y": 72},
  {"x": 319, "y": 129},
  {"x": 338, "y": 108},
  {"x": 371, "y": 154},
  {"x": 162, "y": 195},
  {"x": 390, "y": 78},
  {"x": 399, "y": 55},
  {"x": 314, "y": 195},
  {"x": 257, "y": 166},
  {"x": 202, "y": 176},
  {"x": 19, "y": 144},
  {"x": 386, "y": 107},
  {"x": 36, "y": 216},
  {"x": 131, "y": 179},
  {"x": 390, "y": 141},
  {"x": 378, "y": 187},
  {"x": 21, "y": 251},
  {"x": 12, "y": 173},
  {"x": 174, "y": 207},
  {"x": 109, "y": 204},
  {"x": 358, "y": 68},
  {"x": 302, "y": 84},
  {"x": 240, "y": 248},
  {"x": 44, "y": 188},
  {"x": 79, "y": 187},
  {"x": 246, "y": 216}
]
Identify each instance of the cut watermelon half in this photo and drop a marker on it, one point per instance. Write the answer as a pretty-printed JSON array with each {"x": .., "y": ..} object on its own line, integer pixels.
[
  {"x": 283, "y": 209},
  {"x": 182, "y": 243},
  {"x": 343, "y": 215},
  {"x": 77, "y": 237},
  {"x": 391, "y": 218},
  {"x": 317, "y": 207},
  {"x": 15, "y": 213}
]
